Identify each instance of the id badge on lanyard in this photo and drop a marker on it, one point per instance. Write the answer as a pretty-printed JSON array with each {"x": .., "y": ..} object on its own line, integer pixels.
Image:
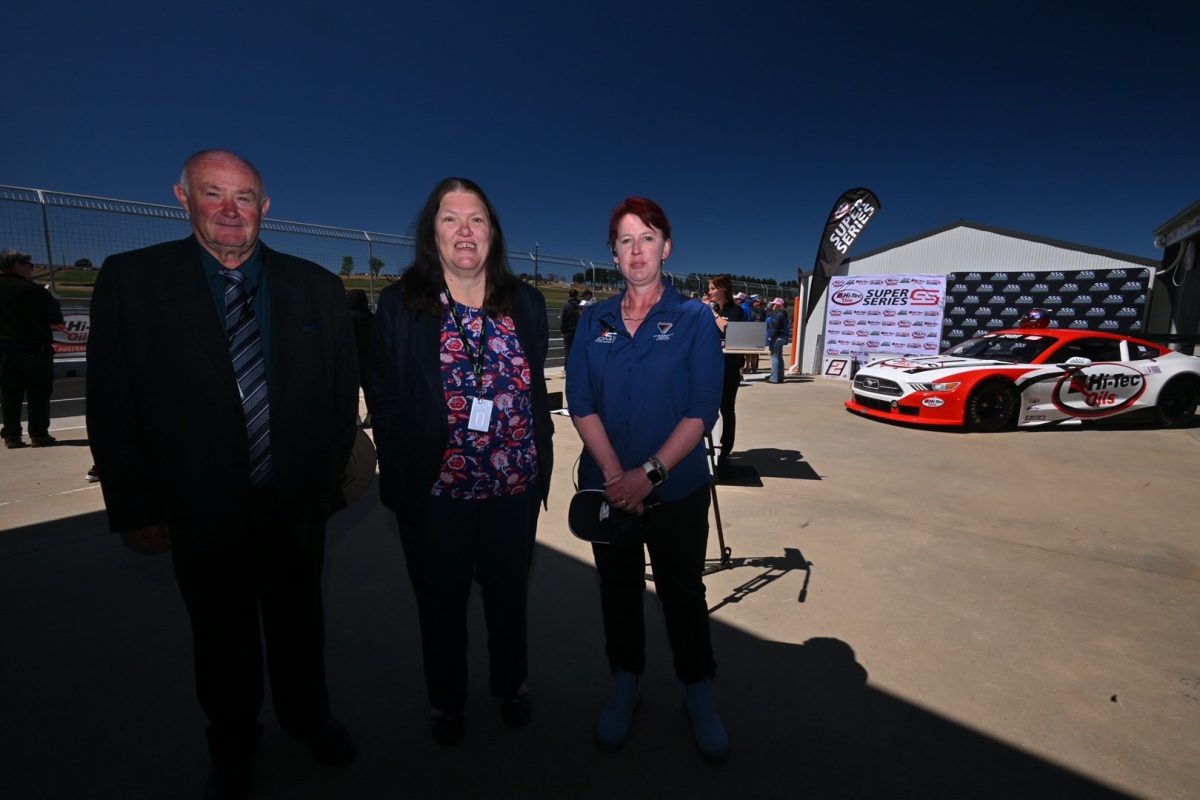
[
  {"x": 481, "y": 410},
  {"x": 481, "y": 415}
]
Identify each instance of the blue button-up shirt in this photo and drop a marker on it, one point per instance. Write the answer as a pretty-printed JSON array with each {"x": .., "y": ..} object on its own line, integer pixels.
[{"x": 643, "y": 386}]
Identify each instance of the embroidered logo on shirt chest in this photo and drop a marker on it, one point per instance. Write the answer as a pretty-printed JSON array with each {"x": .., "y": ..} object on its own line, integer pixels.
[
  {"x": 608, "y": 337},
  {"x": 664, "y": 331}
]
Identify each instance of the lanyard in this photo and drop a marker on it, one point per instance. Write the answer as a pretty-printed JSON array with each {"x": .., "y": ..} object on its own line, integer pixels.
[{"x": 475, "y": 357}]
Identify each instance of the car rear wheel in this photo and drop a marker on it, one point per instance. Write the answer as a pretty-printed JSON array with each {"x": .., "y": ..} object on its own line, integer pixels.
[
  {"x": 1177, "y": 402},
  {"x": 991, "y": 407}
]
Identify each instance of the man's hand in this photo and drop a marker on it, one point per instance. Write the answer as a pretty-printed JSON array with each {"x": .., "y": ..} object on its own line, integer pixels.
[{"x": 149, "y": 541}]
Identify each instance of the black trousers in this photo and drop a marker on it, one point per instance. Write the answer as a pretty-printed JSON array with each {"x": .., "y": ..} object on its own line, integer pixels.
[
  {"x": 676, "y": 536},
  {"x": 273, "y": 571},
  {"x": 489, "y": 542},
  {"x": 729, "y": 390},
  {"x": 26, "y": 377}
]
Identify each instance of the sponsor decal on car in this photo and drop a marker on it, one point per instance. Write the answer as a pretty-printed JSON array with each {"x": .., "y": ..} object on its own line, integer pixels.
[
  {"x": 933, "y": 402},
  {"x": 1098, "y": 391}
]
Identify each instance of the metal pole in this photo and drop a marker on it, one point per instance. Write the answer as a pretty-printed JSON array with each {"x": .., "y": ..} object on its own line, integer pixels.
[
  {"x": 535, "y": 264},
  {"x": 370, "y": 266},
  {"x": 801, "y": 325},
  {"x": 46, "y": 234}
]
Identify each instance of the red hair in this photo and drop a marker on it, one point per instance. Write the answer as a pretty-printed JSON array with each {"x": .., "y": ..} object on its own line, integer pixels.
[{"x": 644, "y": 209}]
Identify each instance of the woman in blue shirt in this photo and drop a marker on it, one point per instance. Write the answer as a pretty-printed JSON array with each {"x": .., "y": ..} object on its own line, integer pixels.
[{"x": 644, "y": 385}]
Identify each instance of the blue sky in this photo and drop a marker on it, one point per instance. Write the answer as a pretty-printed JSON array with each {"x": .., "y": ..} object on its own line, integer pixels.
[{"x": 744, "y": 120}]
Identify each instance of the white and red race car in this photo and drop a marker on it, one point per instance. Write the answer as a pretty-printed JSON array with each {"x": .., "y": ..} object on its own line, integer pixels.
[{"x": 1032, "y": 377}]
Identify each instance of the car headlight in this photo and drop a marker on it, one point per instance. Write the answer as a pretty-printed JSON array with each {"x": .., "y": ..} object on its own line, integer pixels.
[{"x": 935, "y": 387}]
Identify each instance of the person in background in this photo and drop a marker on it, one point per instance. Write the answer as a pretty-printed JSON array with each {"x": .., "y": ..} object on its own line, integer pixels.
[
  {"x": 645, "y": 386},
  {"x": 568, "y": 320},
  {"x": 743, "y": 301},
  {"x": 266, "y": 383},
  {"x": 720, "y": 290},
  {"x": 586, "y": 299},
  {"x": 778, "y": 331},
  {"x": 756, "y": 313},
  {"x": 363, "y": 320},
  {"x": 28, "y": 315},
  {"x": 462, "y": 424}
]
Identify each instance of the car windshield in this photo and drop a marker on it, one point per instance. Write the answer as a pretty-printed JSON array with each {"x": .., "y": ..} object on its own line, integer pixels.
[{"x": 1017, "y": 348}]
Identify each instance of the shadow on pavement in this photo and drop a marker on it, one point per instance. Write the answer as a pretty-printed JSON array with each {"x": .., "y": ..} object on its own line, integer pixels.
[
  {"x": 773, "y": 462},
  {"x": 98, "y": 687}
]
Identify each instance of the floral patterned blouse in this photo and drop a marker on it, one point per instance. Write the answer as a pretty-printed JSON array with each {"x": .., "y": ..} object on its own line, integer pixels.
[{"x": 502, "y": 461}]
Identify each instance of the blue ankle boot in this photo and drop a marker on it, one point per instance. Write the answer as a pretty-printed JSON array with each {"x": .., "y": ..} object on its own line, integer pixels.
[
  {"x": 617, "y": 717},
  {"x": 707, "y": 730}
]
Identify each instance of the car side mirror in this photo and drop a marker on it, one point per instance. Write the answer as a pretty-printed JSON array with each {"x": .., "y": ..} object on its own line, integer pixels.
[{"x": 1078, "y": 361}]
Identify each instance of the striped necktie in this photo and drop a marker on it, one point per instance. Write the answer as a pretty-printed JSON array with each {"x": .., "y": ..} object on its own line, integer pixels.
[{"x": 249, "y": 368}]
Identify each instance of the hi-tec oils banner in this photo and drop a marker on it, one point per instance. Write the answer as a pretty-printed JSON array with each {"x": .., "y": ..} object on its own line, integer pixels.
[
  {"x": 1093, "y": 299},
  {"x": 72, "y": 337},
  {"x": 870, "y": 316}
]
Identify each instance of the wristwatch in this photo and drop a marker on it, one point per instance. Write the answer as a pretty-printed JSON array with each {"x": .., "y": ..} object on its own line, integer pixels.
[{"x": 656, "y": 471}]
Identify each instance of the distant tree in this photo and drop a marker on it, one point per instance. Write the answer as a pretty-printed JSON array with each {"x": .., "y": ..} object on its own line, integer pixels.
[
  {"x": 84, "y": 263},
  {"x": 347, "y": 266},
  {"x": 578, "y": 277},
  {"x": 376, "y": 265}
]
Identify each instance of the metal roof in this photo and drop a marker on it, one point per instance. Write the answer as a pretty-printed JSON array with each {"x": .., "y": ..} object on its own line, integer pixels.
[{"x": 1148, "y": 262}]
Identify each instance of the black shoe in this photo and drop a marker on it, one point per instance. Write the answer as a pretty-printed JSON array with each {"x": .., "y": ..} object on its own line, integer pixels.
[
  {"x": 42, "y": 441},
  {"x": 516, "y": 711},
  {"x": 447, "y": 729},
  {"x": 330, "y": 742},
  {"x": 226, "y": 782},
  {"x": 13, "y": 444},
  {"x": 92, "y": 476}
]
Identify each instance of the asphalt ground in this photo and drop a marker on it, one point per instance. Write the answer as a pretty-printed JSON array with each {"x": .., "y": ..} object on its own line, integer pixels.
[{"x": 909, "y": 613}]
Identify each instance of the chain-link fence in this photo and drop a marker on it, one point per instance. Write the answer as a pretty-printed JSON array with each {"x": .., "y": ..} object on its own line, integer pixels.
[
  {"x": 68, "y": 235},
  {"x": 64, "y": 231}
]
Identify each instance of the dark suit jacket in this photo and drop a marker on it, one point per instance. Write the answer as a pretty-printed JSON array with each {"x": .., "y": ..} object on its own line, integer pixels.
[
  {"x": 409, "y": 418},
  {"x": 164, "y": 415}
]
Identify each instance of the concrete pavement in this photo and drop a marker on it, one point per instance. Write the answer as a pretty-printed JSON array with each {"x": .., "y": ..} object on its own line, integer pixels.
[{"x": 1010, "y": 615}]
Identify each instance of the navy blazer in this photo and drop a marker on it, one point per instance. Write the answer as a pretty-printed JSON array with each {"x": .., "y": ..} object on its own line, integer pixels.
[
  {"x": 164, "y": 415},
  {"x": 410, "y": 414}
]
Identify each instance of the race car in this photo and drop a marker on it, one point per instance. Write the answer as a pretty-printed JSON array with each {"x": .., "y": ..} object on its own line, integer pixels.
[{"x": 1030, "y": 377}]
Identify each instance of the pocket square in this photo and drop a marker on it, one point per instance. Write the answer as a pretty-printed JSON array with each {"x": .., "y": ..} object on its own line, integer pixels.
[{"x": 309, "y": 327}]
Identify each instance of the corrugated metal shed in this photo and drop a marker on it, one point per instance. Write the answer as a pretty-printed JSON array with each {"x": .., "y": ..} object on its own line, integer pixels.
[{"x": 969, "y": 247}]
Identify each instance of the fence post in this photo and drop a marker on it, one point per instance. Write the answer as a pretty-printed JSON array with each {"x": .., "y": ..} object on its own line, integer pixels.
[
  {"x": 370, "y": 269},
  {"x": 46, "y": 234}
]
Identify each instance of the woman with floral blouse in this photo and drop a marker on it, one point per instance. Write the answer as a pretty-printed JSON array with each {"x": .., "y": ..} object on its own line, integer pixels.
[{"x": 462, "y": 425}]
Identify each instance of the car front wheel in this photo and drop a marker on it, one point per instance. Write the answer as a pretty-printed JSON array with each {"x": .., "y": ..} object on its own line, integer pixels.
[
  {"x": 1177, "y": 402},
  {"x": 991, "y": 407}
]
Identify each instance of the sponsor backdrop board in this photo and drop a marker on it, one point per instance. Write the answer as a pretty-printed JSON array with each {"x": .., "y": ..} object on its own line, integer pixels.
[
  {"x": 869, "y": 316},
  {"x": 1100, "y": 300},
  {"x": 72, "y": 339}
]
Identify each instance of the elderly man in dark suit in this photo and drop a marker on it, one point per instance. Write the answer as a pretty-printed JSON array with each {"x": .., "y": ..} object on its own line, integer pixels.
[{"x": 222, "y": 399}]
